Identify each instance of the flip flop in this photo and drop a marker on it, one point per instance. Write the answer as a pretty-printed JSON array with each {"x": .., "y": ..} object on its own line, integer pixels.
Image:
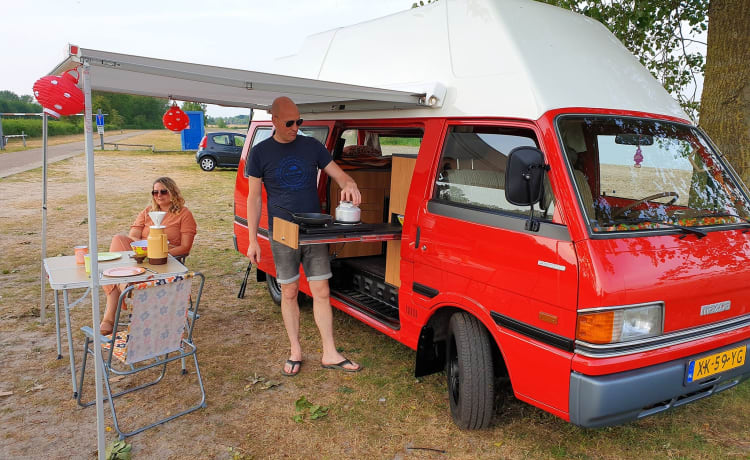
[
  {"x": 298, "y": 364},
  {"x": 340, "y": 366}
]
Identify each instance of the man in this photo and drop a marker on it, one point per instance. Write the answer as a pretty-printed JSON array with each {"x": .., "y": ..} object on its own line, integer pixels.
[{"x": 288, "y": 166}]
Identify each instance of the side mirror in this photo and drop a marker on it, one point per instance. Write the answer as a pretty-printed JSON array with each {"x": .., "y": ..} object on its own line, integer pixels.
[{"x": 523, "y": 176}]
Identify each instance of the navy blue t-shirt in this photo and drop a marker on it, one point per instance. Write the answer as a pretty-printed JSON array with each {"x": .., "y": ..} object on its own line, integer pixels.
[{"x": 290, "y": 173}]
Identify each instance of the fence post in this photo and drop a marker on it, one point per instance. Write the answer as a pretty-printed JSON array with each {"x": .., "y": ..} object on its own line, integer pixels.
[
  {"x": 23, "y": 136},
  {"x": 2, "y": 138}
]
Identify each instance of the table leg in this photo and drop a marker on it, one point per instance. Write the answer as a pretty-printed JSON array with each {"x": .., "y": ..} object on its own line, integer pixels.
[
  {"x": 70, "y": 344},
  {"x": 57, "y": 323}
]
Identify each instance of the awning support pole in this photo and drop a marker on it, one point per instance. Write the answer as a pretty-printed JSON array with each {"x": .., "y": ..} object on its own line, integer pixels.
[
  {"x": 43, "y": 281},
  {"x": 93, "y": 250}
]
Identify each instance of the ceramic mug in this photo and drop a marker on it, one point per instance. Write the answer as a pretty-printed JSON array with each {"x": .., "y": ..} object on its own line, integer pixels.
[{"x": 80, "y": 251}]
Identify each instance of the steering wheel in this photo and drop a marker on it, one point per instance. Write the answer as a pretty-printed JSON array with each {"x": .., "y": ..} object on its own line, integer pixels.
[{"x": 627, "y": 208}]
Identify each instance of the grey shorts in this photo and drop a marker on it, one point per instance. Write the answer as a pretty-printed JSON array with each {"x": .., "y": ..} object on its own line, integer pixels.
[{"x": 314, "y": 258}]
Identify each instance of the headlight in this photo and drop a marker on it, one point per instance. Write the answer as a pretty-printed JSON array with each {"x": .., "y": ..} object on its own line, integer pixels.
[{"x": 621, "y": 324}]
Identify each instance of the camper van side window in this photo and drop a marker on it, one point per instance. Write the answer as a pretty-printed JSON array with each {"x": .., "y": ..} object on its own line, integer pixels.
[{"x": 472, "y": 168}]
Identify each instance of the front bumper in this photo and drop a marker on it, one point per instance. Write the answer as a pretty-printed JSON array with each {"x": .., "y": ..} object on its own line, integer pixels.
[{"x": 606, "y": 400}]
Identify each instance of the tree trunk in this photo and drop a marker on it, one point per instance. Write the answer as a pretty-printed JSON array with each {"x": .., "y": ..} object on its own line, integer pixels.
[{"x": 725, "y": 104}]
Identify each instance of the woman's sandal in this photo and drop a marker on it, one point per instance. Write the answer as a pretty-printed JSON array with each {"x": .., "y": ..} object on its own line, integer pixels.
[{"x": 105, "y": 328}]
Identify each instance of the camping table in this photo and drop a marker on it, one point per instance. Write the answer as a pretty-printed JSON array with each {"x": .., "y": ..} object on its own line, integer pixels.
[{"x": 64, "y": 275}]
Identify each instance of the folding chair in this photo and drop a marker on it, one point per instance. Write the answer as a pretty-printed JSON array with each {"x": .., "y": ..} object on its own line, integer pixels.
[{"x": 160, "y": 332}]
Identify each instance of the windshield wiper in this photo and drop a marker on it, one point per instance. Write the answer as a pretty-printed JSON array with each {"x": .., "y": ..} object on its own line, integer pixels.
[
  {"x": 687, "y": 230},
  {"x": 723, "y": 214}
]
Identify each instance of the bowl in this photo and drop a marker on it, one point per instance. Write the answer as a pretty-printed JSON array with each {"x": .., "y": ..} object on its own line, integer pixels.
[{"x": 140, "y": 248}]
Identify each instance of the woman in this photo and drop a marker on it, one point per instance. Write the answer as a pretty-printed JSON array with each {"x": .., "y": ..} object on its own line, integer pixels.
[{"x": 180, "y": 229}]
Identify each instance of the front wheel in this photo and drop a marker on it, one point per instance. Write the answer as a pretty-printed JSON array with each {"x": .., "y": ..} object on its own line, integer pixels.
[
  {"x": 469, "y": 371},
  {"x": 208, "y": 163}
]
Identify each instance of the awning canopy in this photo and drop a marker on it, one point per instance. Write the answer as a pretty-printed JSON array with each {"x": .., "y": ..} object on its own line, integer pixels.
[{"x": 124, "y": 73}]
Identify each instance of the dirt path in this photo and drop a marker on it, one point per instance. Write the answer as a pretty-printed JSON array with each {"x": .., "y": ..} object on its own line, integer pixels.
[{"x": 16, "y": 162}]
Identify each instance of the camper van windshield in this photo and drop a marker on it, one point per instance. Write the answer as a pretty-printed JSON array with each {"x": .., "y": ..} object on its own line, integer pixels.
[{"x": 644, "y": 175}]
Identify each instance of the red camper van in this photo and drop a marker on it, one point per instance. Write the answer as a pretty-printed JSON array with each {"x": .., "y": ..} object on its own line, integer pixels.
[{"x": 550, "y": 218}]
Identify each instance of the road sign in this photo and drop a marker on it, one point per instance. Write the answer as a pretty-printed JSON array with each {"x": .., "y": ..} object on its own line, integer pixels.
[
  {"x": 99, "y": 120},
  {"x": 100, "y": 129}
]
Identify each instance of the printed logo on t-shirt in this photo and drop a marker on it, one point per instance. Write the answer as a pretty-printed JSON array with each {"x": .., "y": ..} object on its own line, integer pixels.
[{"x": 292, "y": 173}]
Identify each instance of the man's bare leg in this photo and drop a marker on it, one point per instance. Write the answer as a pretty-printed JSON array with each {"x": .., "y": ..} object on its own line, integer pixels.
[
  {"x": 290, "y": 313},
  {"x": 324, "y": 319}
]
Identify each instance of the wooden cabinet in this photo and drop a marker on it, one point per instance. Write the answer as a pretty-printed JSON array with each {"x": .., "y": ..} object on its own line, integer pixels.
[
  {"x": 374, "y": 185},
  {"x": 402, "y": 170}
]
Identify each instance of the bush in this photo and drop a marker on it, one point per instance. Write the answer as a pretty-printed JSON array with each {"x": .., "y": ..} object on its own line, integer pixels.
[{"x": 33, "y": 127}]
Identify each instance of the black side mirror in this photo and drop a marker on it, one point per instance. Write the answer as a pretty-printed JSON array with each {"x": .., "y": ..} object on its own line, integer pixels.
[
  {"x": 523, "y": 176},
  {"x": 523, "y": 180}
]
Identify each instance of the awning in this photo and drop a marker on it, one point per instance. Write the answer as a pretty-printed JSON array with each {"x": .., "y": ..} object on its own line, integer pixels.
[{"x": 124, "y": 73}]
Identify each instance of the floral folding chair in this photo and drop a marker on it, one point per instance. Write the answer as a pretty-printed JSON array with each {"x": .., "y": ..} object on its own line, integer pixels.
[{"x": 162, "y": 317}]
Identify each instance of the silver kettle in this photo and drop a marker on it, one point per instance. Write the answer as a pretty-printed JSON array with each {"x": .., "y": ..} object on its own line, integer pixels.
[{"x": 347, "y": 212}]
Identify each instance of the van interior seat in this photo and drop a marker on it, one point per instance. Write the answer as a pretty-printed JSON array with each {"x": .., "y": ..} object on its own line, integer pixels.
[
  {"x": 582, "y": 184},
  {"x": 476, "y": 177}
]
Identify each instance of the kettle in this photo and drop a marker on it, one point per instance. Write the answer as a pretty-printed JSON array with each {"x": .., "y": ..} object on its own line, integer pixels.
[
  {"x": 348, "y": 213},
  {"x": 158, "y": 246}
]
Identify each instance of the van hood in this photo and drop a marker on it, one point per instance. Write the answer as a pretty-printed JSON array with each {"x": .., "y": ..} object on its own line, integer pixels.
[{"x": 697, "y": 279}]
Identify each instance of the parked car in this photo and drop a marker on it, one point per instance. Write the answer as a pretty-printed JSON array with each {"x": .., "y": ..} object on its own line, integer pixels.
[{"x": 220, "y": 149}]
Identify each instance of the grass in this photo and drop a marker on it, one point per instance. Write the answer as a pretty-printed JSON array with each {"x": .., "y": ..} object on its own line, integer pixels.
[{"x": 382, "y": 412}]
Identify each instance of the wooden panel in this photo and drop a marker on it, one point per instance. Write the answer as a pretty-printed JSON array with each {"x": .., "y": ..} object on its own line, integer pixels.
[
  {"x": 393, "y": 263},
  {"x": 403, "y": 168},
  {"x": 285, "y": 232}
]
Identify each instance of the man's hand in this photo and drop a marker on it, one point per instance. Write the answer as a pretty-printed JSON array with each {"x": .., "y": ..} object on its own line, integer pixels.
[
  {"x": 253, "y": 251},
  {"x": 350, "y": 192}
]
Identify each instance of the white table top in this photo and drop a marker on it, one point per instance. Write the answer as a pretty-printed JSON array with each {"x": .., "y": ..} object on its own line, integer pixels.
[{"x": 64, "y": 273}]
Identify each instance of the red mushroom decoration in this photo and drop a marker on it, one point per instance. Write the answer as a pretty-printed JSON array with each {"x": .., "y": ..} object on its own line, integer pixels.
[
  {"x": 175, "y": 119},
  {"x": 59, "y": 95}
]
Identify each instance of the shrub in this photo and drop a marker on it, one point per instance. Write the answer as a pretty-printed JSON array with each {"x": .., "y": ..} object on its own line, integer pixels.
[{"x": 32, "y": 127}]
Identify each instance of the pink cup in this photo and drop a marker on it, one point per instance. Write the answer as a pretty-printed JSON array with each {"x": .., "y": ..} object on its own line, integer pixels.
[{"x": 80, "y": 251}]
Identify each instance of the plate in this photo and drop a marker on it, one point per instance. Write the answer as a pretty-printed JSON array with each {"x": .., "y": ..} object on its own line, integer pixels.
[
  {"x": 105, "y": 256},
  {"x": 701, "y": 368},
  {"x": 124, "y": 271}
]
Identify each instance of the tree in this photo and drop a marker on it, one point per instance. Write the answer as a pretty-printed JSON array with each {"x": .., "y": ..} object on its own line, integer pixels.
[
  {"x": 725, "y": 105},
  {"x": 188, "y": 105}
]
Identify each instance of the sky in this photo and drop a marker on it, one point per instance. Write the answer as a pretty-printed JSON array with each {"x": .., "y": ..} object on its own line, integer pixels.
[{"x": 247, "y": 34}]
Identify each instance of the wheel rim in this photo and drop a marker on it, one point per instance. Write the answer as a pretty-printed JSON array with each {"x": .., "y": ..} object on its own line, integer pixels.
[
  {"x": 207, "y": 163},
  {"x": 454, "y": 374}
]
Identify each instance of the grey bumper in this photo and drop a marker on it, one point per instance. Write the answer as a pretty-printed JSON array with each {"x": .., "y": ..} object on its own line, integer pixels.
[{"x": 614, "y": 399}]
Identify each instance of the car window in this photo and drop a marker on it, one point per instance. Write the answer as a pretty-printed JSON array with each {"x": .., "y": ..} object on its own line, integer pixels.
[
  {"x": 261, "y": 133},
  {"x": 239, "y": 141},
  {"x": 221, "y": 139},
  {"x": 472, "y": 168}
]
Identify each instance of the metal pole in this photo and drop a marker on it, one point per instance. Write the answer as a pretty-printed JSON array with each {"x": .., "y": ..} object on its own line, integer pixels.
[
  {"x": 2, "y": 138},
  {"x": 93, "y": 250},
  {"x": 43, "y": 302}
]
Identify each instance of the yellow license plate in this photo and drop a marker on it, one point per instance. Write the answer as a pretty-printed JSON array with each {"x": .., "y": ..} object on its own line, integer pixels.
[{"x": 699, "y": 369}]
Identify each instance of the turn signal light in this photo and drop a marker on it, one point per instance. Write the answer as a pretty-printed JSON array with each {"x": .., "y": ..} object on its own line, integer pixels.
[{"x": 596, "y": 327}]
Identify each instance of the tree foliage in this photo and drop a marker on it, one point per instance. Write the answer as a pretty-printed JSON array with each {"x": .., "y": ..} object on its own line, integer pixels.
[
  {"x": 11, "y": 102},
  {"x": 659, "y": 33}
]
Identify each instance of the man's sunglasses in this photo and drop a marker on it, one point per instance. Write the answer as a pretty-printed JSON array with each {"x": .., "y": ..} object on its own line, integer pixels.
[
  {"x": 157, "y": 192},
  {"x": 291, "y": 122}
]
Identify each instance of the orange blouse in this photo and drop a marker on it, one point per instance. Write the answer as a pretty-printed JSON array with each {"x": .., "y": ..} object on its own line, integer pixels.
[{"x": 176, "y": 225}]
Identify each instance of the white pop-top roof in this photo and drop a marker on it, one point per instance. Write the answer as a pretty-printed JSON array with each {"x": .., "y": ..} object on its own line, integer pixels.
[{"x": 510, "y": 58}]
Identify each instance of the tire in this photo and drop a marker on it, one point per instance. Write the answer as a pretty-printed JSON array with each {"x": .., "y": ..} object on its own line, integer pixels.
[
  {"x": 469, "y": 372},
  {"x": 274, "y": 289},
  {"x": 207, "y": 163}
]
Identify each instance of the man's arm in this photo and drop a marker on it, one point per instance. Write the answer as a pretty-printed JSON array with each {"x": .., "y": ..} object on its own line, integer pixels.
[
  {"x": 253, "y": 217},
  {"x": 349, "y": 190}
]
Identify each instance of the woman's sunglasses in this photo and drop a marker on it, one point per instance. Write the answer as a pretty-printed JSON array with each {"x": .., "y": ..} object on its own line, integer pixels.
[
  {"x": 157, "y": 192},
  {"x": 291, "y": 122}
]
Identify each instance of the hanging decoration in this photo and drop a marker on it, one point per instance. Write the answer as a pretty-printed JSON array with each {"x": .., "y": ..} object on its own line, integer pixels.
[
  {"x": 638, "y": 157},
  {"x": 175, "y": 119},
  {"x": 59, "y": 94}
]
